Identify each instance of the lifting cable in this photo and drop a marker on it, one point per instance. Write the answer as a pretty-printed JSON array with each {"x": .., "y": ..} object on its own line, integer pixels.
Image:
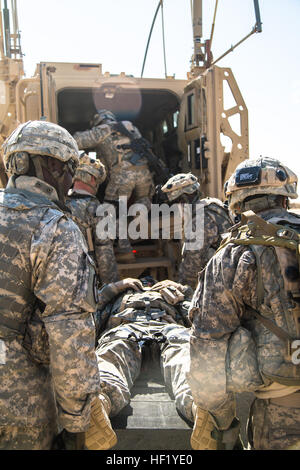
[{"x": 160, "y": 4}]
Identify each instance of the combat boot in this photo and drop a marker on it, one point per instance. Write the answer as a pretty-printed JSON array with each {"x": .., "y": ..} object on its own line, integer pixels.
[
  {"x": 206, "y": 435},
  {"x": 201, "y": 438},
  {"x": 100, "y": 435}
]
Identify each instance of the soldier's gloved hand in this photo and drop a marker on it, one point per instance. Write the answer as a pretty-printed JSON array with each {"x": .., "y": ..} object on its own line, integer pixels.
[
  {"x": 129, "y": 283},
  {"x": 66, "y": 440},
  {"x": 171, "y": 291},
  {"x": 167, "y": 283}
]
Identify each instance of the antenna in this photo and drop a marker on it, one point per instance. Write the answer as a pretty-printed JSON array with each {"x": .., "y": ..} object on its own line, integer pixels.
[
  {"x": 10, "y": 41},
  {"x": 256, "y": 29},
  {"x": 160, "y": 5},
  {"x": 163, "y": 36},
  {"x": 197, "y": 32},
  {"x": 213, "y": 25},
  {"x": 202, "y": 57},
  {"x": 1, "y": 34},
  {"x": 6, "y": 29}
]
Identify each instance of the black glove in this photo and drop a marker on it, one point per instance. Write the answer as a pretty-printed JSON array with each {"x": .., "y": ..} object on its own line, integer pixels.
[{"x": 66, "y": 440}]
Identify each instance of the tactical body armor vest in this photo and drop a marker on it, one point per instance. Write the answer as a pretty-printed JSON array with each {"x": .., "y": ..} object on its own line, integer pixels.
[
  {"x": 149, "y": 305},
  {"x": 166, "y": 304},
  {"x": 213, "y": 205},
  {"x": 21, "y": 213},
  {"x": 216, "y": 206},
  {"x": 83, "y": 209},
  {"x": 275, "y": 331}
]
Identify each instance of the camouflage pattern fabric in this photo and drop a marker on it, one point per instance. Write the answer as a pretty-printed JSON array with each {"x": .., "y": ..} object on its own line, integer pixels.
[
  {"x": 27, "y": 437},
  {"x": 108, "y": 143},
  {"x": 119, "y": 351},
  {"x": 47, "y": 277},
  {"x": 41, "y": 138},
  {"x": 274, "y": 427},
  {"x": 216, "y": 222},
  {"x": 220, "y": 306},
  {"x": 129, "y": 181},
  {"x": 83, "y": 208},
  {"x": 125, "y": 178}
]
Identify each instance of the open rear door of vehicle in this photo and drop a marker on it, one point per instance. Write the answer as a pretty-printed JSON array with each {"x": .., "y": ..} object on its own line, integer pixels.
[{"x": 213, "y": 128}]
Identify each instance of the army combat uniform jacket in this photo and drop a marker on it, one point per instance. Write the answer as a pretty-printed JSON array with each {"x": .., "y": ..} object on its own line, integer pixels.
[
  {"x": 127, "y": 171},
  {"x": 83, "y": 207},
  {"x": 46, "y": 282},
  {"x": 233, "y": 351},
  {"x": 214, "y": 221}
]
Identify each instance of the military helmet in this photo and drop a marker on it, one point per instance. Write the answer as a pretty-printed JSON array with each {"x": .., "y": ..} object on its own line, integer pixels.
[
  {"x": 101, "y": 116},
  {"x": 182, "y": 183},
  {"x": 89, "y": 167},
  {"x": 258, "y": 177},
  {"x": 35, "y": 138}
]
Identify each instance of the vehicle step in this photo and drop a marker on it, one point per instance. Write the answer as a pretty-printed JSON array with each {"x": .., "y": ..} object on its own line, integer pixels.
[{"x": 151, "y": 420}]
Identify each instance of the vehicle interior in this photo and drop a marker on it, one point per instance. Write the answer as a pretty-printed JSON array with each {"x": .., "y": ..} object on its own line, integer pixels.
[{"x": 153, "y": 111}]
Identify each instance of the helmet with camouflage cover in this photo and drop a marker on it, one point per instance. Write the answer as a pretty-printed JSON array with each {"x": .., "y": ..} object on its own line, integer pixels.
[
  {"x": 262, "y": 176},
  {"x": 103, "y": 115},
  {"x": 89, "y": 167},
  {"x": 38, "y": 138},
  {"x": 182, "y": 183}
]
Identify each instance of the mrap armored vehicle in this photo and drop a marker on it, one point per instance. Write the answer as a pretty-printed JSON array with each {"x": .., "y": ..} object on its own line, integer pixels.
[{"x": 185, "y": 121}]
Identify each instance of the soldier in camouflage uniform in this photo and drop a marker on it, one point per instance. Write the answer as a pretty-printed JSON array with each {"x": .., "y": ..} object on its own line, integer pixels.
[
  {"x": 127, "y": 171},
  {"x": 130, "y": 315},
  {"x": 48, "y": 367},
  {"x": 184, "y": 188},
  {"x": 245, "y": 317},
  {"x": 83, "y": 204}
]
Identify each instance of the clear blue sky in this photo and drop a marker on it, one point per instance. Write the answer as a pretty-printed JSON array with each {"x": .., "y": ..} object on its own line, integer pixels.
[{"x": 115, "y": 33}]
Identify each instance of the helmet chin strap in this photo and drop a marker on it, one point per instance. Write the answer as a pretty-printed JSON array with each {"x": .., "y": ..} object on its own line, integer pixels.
[
  {"x": 37, "y": 166},
  {"x": 260, "y": 203}
]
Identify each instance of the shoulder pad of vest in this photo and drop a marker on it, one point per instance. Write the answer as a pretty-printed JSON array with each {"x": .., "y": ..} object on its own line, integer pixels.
[
  {"x": 20, "y": 199},
  {"x": 254, "y": 230},
  {"x": 207, "y": 201}
]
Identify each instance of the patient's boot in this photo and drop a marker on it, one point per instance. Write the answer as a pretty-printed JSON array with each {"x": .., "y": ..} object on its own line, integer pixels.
[{"x": 100, "y": 435}]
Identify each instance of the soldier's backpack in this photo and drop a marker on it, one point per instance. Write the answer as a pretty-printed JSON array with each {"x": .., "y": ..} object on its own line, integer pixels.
[{"x": 278, "y": 346}]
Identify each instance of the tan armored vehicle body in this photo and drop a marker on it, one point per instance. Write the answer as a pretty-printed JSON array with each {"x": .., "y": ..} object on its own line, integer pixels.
[
  {"x": 185, "y": 121},
  {"x": 190, "y": 110}
]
